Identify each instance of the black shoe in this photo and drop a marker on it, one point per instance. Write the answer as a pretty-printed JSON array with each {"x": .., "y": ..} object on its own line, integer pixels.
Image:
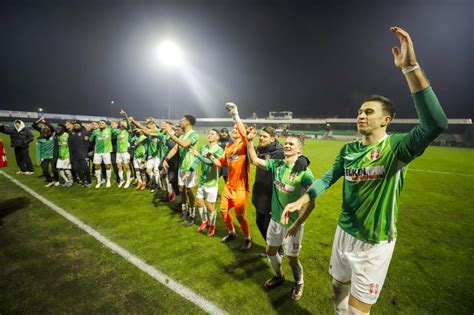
[
  {"x": 190, "y": 221},
  {"x": 274, "y": 281},
  {"x": 246, "y": 245},
  {"x": 229, "y": 237},
  {"x": 297, "y": 291}
]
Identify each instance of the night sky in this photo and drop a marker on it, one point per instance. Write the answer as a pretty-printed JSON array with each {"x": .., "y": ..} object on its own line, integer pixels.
[{"x": 315, "y": 59}]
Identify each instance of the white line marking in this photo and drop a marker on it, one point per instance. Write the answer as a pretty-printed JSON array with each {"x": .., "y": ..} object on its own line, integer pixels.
[
  {"x": 150, "y": 270},
  {"x": 439, "y": 172}
]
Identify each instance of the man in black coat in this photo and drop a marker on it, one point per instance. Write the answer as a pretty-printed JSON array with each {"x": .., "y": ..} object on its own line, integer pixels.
[
  {"x": 79, "y": 149},
  {"x": 20, "y": 138},
  {"x": 268, "y": 148}
]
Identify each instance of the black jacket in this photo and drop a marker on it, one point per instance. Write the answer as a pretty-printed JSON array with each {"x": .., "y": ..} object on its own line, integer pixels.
[
  {"x": 19, "y": 137},
  {"x": 79, "y": 143},
  {"x": 262, "y": 187}
]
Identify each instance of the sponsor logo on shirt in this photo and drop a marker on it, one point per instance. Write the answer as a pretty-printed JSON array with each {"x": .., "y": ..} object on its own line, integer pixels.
[
  {"x": 232, "y": 158},
  {"x": 375, "y": 154},
  {"x": 365, "y": 173},
  {"x": 287, "y": 189}
]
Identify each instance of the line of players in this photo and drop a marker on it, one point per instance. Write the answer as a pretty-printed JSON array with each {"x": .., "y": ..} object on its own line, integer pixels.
[{"x": 373, "y": 170}]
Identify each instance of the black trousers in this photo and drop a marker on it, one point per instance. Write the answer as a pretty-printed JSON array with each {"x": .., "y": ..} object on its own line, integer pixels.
[
  {"x": 45, "y": 168},
  {"x": 113, "y": 159},
  {"x": 23, "y": 159},
  {"x": 80, "y": 166},
  {"x": 263, "y": 221}
]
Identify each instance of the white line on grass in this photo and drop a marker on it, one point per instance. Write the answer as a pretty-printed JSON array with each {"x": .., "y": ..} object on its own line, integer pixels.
[
  {"x": 150, "y": 270},
  {"x": 440, "y": 172}
]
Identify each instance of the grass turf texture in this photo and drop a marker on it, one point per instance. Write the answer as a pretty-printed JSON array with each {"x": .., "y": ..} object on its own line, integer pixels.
[{"x": 49, "y": 265}]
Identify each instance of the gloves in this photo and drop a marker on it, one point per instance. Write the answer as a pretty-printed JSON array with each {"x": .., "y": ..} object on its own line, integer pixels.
[{"x": 301, "y": 164}]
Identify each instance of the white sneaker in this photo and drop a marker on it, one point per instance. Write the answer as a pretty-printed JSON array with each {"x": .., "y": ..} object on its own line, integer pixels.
[
  {"x": 28, "y": 173},
  {"x": 98, "y": 185},
  {"x": 49, "y": 184},
  {"x": 56, "y": 184},
  {"x": 127, "y": 184},
  {"x": 108, "y": 185},
  {"x": 19, "y": 173},
  {"x": 121, "y": 184}
]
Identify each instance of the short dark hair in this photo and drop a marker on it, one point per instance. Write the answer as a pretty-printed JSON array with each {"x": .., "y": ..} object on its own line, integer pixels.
[
  {"x": 224, "y": 130},
  {"x": 270, "y": 130},
  {"x": 191, "y": 119},
  {"x": 387, "y": 104}
]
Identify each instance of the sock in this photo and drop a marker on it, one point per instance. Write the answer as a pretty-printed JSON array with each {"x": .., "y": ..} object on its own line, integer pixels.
[
  {"x": 98, "y": 175},
  {"x": 228, "y": 222},
  {"x": 156, "y": 176},
  {"x": 61, "y": 172},
  {"x": 192, "y": 212},
  {"x": 129, "y": 174},
  {"x": 68, "y": 175},
  {"x": 298, "y": 273},
  {"x": 108, "y": 173},
  {"x": 212, "y": 218},
  {"x": 203, "y": 213},
  {"x": 120, "y": 172},
  {"x": 244, "y": 227},
  {"x": 340, "y": 297},
  {"x": 139, "y": 176},
  {"x": 355, "y": 311},
  {"x": 275, "y": 262}
]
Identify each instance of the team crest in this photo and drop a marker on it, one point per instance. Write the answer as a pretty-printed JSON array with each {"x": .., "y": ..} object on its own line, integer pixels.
[
  {"x": 375, "y": 154},
  {"x": 374, "y": 288}
]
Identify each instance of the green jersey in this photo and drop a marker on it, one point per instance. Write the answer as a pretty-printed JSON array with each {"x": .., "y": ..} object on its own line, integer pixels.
[
  {"x": 374, "y": 174},
  {"x": 103, "y": 140},
  {"x": 139, "y": 144},
  {"x": 185, "y": 156},
  {"x": 209, "y": 172},
  {"x": 45, "y": 148},
  {"x": 162, "y": 146},
  {"x": 287, "y": 188},
  {"x": 63, "y": 146},
  {"x": 122, "y": 140}
]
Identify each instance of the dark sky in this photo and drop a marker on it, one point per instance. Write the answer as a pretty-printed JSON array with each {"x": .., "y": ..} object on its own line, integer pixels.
[{"x": 315, "y": 59}]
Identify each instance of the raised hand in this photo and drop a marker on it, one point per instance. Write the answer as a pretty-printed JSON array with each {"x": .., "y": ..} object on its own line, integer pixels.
[
  {"x": 232, "y": 108},
  {"x": 404, "y": 56},
  {"x": 122, "y": 112},
  {"x": 251, "y": 133}
]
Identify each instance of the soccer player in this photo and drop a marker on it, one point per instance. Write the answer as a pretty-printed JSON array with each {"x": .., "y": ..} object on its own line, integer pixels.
[
  {"x": 138, "y": 143},
  {"x": 122, "y": 156},
  {"x": 237, "y": 187},
  {"x": 103, "y": 147},
  {"x": 184, "y": 143},
  {"x": 374, "y": 172},
  {"x": 288, "y": 186},
  {"x": 47, "y": 151},
  {"x": 64, "y": 162},
  {"x": 208, "y": 181}
]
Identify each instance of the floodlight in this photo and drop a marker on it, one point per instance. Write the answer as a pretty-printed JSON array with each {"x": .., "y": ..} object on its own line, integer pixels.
[{"x": 169, "y": 53}]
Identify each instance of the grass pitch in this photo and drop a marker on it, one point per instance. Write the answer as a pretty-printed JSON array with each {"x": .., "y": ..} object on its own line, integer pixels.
[{"x": 49, "y": 265}]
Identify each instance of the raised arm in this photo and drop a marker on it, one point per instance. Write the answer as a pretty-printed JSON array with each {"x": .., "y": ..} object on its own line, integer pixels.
[
  {"x": 254, "y": 159},
  {"x": 234, "y": 112},
  {"x": 432, "y": 118}
]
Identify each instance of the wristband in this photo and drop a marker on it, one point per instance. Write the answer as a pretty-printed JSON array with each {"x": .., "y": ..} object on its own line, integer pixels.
[{"x": 410, "y": 68}]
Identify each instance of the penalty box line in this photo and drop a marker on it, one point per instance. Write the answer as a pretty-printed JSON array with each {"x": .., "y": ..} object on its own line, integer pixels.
[{"x": 178, "y": 288}]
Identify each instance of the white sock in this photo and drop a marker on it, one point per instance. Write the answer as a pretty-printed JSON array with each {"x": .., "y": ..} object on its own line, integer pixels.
[
  {"x": 298, "y": 273},
  {"x": 68, "y": 175},
  {"x": 108, "y": 173},
  {"x": 275, "y": 262},
  {"x": 98, "y": 175},
  {"x": 120, "y": 172},
  {"x": 139, "y": 177},
  {"x": 202, "y": 213},
  {"x": 354, "y": 311},
  {"x": 193, "y": 212},
  {"x": 63, "y": 175},
  {"x": 212, "y": 217},
  {"x": 156, "y": 175},
  {"x": 340, "y": 298},
  {"x": 129, "y": 174}
]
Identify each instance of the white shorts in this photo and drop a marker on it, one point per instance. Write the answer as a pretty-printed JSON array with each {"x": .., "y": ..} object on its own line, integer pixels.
[
  {"x": 102, "y": 157},
  {"x": 191, "y": 181},
  {"x": 122, "y": 158},
  {"x": 153, "y": 163},
  {"x": 138, "y": 163},
  {"x": 276, "y": 236},
  {"x": 364, "y": 264},
  {"x": 208, "y": 193},
  {"x": 63, "y": 164}
]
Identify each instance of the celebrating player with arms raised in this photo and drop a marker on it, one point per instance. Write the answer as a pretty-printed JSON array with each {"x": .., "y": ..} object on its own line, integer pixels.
[{"x": 374, "y": 171}]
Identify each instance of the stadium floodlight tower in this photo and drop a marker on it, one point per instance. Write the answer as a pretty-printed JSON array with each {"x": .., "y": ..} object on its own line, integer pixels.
[{"x": 169, "y": 55}]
